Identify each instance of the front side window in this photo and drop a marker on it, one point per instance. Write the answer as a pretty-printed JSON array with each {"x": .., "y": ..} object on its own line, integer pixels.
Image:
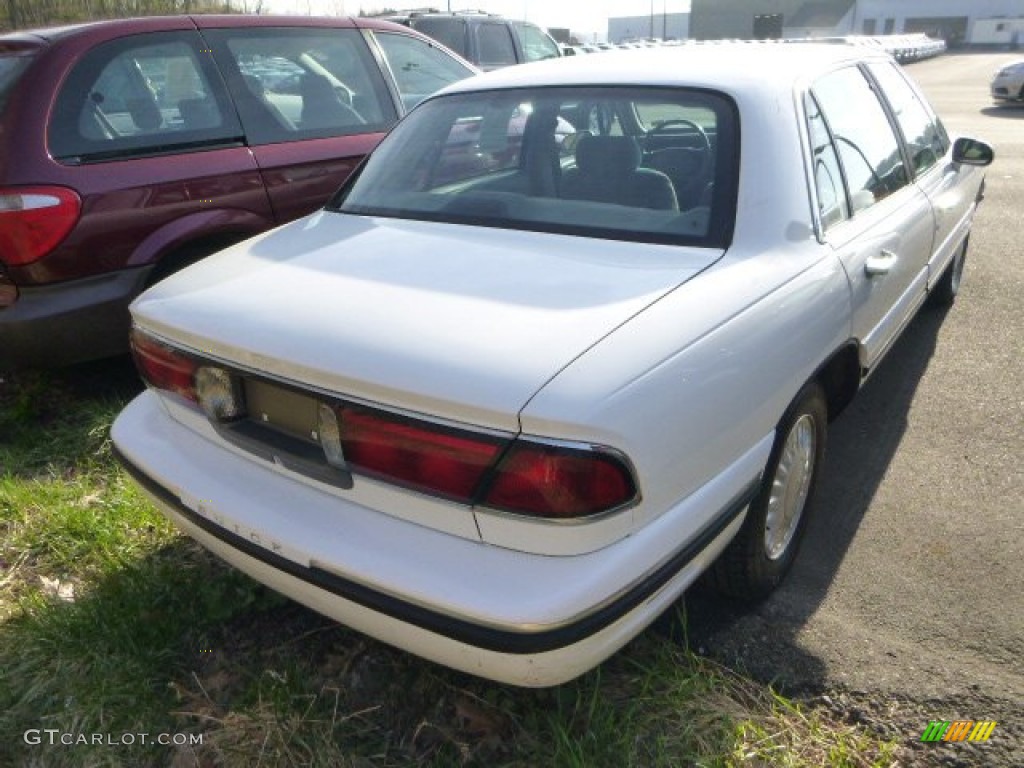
[
  {"x": 418, "y": 67},
  {"x": 864, "y": 138},
  {"x": 926, "y": 141},
  {"x": 144, "y": 94},
  {"x": 539, "y": 159},
  {"x": 291, "y": 84}
]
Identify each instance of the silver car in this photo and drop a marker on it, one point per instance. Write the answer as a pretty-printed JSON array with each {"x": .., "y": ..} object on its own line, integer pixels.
[{"x": 1008, "y": 83}]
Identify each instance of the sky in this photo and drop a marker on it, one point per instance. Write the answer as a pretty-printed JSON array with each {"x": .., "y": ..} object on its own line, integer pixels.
[{"x": 581, "y": 16}]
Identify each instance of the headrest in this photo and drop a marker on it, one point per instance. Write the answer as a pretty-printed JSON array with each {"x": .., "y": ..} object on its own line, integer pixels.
[{"x": 607, "y": 154}]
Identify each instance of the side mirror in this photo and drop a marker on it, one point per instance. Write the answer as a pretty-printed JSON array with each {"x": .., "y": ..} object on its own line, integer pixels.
[{"x": 972, "y": 152}]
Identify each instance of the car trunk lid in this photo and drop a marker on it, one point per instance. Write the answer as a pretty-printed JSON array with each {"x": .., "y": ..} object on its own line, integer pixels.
[{"x": 463, "y": 323}]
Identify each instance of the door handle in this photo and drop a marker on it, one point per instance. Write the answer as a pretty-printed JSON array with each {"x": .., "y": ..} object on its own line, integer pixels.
[{"x": 880, "y": 264}]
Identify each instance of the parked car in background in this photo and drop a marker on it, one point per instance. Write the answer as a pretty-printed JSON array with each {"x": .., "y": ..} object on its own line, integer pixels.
[
  {"x": 554, "y": 350},
  {"x": 130, "y": 148},
  {"x": 488, "y": 40},
  {"x": 1008, "y": 83}
]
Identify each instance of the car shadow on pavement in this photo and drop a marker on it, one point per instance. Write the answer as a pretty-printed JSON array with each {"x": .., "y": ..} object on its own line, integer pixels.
[
  {"x": 1005, "y": 111},
  {"x": 761, "y": 639}
]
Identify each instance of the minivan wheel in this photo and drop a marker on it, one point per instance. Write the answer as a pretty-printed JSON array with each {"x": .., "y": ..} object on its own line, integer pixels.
[{"x": 763, "y": 551}]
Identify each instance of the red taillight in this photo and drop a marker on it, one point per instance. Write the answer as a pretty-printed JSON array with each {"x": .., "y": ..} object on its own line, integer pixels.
[
  {"x": 530, "y": 478},
  {"x": 33, "y": 221},
  {"x": 416, "y": 454},
  {"x": 559, "y": 482},
  {"x": 163, "y": 367}
]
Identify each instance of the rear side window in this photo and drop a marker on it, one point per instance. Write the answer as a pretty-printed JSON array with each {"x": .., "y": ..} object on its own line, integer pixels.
[
  {"x": 833, "y": 206},
  {"x": 925, "y": 139},
  {"x": 864, "y": 140},
  {"x": 451, "y": 33},
  {"x": 152, "y": 93},
  {"x": 418, "y": 67},
  {"x": 11, "y": 68},
  {"x": 494, "y": 45},
  {"x": 291, "y": 84}
]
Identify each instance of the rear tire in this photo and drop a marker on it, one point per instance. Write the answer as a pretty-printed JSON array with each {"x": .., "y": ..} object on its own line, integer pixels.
[
  {"x": 756, "y": 561},
  {"x": 945, "y": 291}
]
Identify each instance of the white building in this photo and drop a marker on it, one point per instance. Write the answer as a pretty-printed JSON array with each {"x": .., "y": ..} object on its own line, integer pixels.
[{"x": 974, "y": 22}]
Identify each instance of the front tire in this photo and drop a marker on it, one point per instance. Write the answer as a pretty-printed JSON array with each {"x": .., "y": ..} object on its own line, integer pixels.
[{"x": 763, "y": 551}]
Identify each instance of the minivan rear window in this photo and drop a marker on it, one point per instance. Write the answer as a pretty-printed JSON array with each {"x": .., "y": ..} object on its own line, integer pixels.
[{"x": 11, "y": 68}]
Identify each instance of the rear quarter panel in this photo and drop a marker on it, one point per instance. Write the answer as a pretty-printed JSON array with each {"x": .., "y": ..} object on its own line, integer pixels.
[{"x": 694, "y": 382}]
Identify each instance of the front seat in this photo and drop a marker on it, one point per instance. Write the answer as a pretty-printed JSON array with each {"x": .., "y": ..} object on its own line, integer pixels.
[
  {"x": 321, "y": 106},
  {"x": 608, "y": 171}
]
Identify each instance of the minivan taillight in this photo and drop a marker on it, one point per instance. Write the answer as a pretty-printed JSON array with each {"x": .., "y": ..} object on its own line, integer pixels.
[
  {"x": 34, "y": 220},
  {"x": 164, "y": 367}
]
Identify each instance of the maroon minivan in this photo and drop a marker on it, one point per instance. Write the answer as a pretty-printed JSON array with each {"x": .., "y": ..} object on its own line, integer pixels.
[{"x": 131, "y": 148}]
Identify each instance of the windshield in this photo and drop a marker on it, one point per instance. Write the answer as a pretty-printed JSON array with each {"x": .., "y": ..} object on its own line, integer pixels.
[{"x": 631, "y": 163}]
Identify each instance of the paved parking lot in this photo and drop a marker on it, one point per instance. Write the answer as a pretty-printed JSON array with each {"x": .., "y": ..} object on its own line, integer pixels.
[{"x": 907, "y": 603}]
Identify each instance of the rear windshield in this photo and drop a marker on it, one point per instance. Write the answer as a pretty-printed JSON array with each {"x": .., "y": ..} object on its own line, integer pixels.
[
  {"x": 11, "y": 68},
  {"x": 644, "y": 164}
]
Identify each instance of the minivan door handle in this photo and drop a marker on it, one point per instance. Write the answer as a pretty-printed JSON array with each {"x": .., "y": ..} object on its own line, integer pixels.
[{"x": 880, "y": 264}]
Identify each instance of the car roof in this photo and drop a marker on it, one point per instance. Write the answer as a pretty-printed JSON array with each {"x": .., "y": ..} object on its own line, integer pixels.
[
  {"x": 114, "y": 27},
  {"x": 733, "y": 66}
]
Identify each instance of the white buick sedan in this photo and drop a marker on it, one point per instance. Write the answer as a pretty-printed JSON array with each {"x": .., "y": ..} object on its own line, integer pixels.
[{"x": 570, "y": 337}]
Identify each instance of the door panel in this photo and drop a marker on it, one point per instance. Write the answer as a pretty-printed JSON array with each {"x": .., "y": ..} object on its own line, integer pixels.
[
  {"x": 884, "y": 252},
  {"x": 879, "y": 223}
]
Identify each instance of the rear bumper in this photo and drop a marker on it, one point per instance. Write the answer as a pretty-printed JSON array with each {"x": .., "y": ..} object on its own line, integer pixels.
[
  {"x": 519, "y": 618},
  {"x": 69, "y": 322}
]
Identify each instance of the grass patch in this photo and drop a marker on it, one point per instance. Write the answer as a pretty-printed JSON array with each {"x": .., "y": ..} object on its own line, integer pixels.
[{"x": 112, "y": 625}]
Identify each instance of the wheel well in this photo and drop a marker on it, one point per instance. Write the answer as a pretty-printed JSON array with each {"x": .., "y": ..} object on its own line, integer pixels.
[
  {"x": 840, "y": 378},
  {"x": 190, "y": 253}
]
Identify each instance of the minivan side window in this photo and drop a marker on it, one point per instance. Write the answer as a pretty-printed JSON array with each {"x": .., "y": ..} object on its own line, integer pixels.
[
  {"x": 292, "y": 84},
  {"x": 926, "y": 141},
  {"x": 146, "y": 93},
  {"x": 868, "y": 149},
  {"x": 418, "y": 67}
]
